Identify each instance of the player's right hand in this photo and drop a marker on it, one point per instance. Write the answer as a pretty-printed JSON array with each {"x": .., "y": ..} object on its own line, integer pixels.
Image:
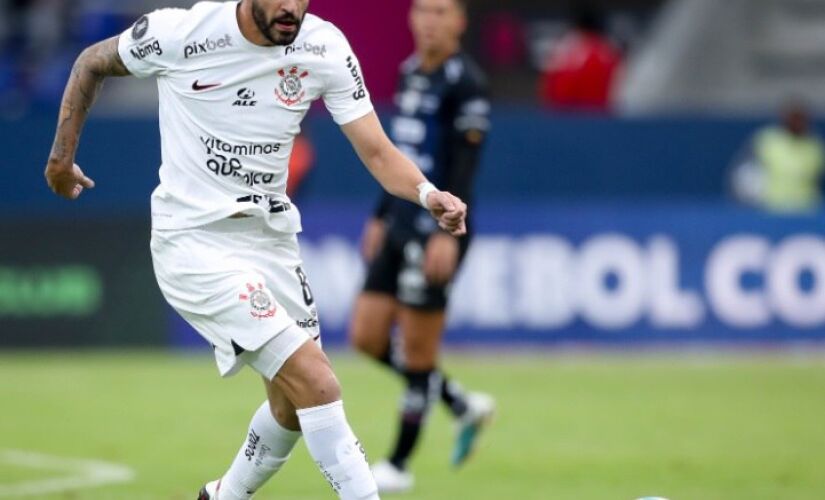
[
  {"x": 375, "y": 231},
  {"x": 67, "y": 181},
  {"x": 449, "y": 211}
]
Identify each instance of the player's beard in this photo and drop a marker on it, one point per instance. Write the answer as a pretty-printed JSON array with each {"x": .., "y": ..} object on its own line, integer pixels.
[{"x": 267, "y": 27}]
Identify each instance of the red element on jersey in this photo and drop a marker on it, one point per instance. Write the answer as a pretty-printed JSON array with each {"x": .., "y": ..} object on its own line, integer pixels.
[
  {"x": 294, "y": 71},
  {"x": 197, "y": 87},
  {"x": 581, "y": 72},
  {"x": 290, "y": 90},
  {"x": 260, "y": 300}
]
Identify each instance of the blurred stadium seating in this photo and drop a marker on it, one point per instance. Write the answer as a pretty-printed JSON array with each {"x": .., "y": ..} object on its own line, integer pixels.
[{"x": 740, "y": 57}]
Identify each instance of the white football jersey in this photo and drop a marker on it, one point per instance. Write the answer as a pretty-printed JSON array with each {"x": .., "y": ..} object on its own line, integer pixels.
[{"x": 230, "y": 110}]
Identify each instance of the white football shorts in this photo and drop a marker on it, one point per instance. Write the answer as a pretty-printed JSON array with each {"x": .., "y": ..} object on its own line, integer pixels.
[{"x": 241, "y": 285}]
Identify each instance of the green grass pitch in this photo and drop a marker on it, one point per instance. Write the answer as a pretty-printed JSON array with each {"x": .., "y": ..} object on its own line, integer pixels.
[{"x": 596, "y": 426}]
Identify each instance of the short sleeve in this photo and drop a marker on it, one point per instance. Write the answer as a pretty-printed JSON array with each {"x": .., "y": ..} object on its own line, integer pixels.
[
  {"x": 346, "y": 95},
  {"x": 148, "y": 48}
]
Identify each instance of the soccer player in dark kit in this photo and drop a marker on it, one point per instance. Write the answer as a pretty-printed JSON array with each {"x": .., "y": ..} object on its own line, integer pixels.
[{"x": 441, "y": 123}]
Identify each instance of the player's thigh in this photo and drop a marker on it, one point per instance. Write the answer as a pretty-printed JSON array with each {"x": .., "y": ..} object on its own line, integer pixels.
[
  {"x": 282, "y": 264},
  {"x": 306, "y": 379},
  {"x": 373, "y": 317},
  {"x": 421, "y": 333},
  {"x": 211, "y": 278},
  {"x": 422, "y": 312},
  {"x": 375, "y": 308}
]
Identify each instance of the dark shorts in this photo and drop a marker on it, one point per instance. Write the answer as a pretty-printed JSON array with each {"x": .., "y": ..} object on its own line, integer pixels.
[{"x": 398, "y": 271}]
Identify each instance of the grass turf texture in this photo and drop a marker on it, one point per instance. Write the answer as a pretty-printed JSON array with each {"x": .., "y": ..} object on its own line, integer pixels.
[{"x": 568, "y": 427}]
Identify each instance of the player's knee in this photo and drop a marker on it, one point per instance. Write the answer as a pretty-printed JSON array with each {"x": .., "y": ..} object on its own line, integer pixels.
[
  {"x": 307, "y": 378},
  {"x": 320, "y": 388},
  {"x": 328, "y": 389},
  {"x": 362, "y": 340}
]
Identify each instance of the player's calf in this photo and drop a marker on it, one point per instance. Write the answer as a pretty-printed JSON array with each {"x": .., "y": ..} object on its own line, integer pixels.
[
  {"x": 338, "y": 453},
  {"x": 265, "y": 450},
  {"x": 281, "y": 407},
  {"x": 308, "y": 381},
  {"x": 422, "y": 391}
]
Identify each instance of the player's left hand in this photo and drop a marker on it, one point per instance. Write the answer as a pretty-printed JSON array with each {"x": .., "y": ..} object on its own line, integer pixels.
[
  {"x": 449, "y": 211},
  {"x": 67, "y": 182},
  {"x": 440, "y": 258}
]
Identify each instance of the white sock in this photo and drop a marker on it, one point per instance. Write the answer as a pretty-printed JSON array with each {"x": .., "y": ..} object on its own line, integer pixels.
[
  {"x": 337, "y": 451},
  {"x": 266, "y": 449}
]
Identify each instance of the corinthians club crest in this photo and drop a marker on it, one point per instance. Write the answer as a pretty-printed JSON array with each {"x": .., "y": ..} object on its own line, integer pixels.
[
  {"x": 260, "y": 300},
  {"x": 291, "y": 89}
]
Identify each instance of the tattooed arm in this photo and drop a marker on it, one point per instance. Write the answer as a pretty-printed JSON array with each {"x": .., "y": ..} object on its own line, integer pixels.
[{"x": 92, "y": 67}]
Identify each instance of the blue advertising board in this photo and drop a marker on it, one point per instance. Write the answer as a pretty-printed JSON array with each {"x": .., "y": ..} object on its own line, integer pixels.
[
  {"x": 602, "y": 273},
  {"x": 586, "y": 254}
]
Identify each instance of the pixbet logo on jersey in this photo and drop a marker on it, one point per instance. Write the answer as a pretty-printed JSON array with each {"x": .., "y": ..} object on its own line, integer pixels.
[
  {"x": 291, "y": 90},
  {"x": 195, "y": 49},
  {"x": 245, "y": 98},
  {"x": 318, "y": 50}
]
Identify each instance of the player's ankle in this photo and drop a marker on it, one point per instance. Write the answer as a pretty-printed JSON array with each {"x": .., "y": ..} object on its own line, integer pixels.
[{"x": 399, "y": 463}]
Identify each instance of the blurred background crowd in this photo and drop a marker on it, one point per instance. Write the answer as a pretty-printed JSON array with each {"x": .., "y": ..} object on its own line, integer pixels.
[
  {"x": 519, "y": 41},
  {"x": 633, "y": 55}
]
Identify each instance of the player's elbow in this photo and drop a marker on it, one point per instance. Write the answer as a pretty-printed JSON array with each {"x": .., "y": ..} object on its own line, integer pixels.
[
  {"x": 100, "y": 61},
  {"x": 382, "y": 160},
  {"x": 86, "y": 63},
  {"x": 377, "y": 155},
  {"x": 82, "y": 60}
]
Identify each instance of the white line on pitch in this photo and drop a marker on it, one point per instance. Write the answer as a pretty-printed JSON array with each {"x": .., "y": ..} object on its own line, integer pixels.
[{"x": 71, "y": 474}]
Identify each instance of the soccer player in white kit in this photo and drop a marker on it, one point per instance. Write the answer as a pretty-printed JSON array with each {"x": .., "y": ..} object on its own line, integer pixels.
[{"x": 235, "y": 80}]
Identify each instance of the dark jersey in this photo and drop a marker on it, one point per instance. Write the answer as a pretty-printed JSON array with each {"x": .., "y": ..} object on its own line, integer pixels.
[{"x": 441, "y": 123}]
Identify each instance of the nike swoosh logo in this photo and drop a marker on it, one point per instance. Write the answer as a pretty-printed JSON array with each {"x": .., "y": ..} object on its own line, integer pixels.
[{"x": 197, "y": 87}]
